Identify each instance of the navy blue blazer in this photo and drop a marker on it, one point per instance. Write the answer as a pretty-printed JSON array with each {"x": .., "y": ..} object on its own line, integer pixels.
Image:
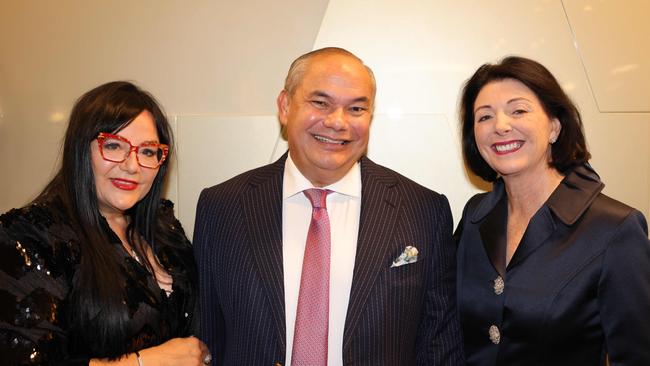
[
  {"x": 396, "y": 316},
  {"x": 576, "y": 289}
]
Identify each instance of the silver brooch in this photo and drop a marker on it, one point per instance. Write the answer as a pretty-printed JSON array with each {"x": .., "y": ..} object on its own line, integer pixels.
[
  {"x": 499, "y": 285},
  {"x": 495, "y": 336}
]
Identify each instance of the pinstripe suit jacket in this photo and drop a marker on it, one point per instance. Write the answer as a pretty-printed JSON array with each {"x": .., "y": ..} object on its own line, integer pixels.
[{"x": 396, "y": 316}]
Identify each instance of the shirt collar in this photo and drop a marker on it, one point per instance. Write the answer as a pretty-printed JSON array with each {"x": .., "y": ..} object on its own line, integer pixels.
[{"x": 294, "y": 182}]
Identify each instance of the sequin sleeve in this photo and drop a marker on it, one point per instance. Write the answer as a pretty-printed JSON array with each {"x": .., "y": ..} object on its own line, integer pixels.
[{"x": 36, "y": 265}]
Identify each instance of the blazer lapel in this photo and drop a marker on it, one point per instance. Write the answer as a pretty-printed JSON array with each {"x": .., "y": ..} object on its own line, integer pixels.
[
  {"x": 491, "y": 216},
  {"x": 379, "y": 208},
  {"x": 567, "y": 204},
  {"x": 262, "y": 206},
  {"x": 493, "y": 234},
  {"x": 494, "y": 227},
  {"x": 540, "y": 227}
]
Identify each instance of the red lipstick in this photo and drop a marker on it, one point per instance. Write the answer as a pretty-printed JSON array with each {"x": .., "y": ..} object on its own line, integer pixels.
[{"x": 124, "y": 184}]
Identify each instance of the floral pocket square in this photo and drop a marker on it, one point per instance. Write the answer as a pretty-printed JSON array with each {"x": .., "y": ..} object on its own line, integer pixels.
[{"x": 408, "y": 256}]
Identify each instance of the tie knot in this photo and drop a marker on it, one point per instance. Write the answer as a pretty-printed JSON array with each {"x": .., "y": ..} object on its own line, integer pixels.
[{"x": 317, "y": 197}]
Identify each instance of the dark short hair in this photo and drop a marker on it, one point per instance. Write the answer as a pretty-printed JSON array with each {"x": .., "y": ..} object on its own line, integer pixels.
[{"x": 570, "y": 148}]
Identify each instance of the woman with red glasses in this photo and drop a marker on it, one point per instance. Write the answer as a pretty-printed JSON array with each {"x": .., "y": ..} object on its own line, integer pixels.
[{"x": 97, "y": 270}]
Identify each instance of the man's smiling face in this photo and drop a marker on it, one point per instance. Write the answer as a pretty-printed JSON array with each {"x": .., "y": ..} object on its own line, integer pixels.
[{"x": 327, "y": 118}]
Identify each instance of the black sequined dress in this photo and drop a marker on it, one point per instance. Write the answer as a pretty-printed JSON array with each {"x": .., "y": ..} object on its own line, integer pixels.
[{"x": 39, "y": 256}]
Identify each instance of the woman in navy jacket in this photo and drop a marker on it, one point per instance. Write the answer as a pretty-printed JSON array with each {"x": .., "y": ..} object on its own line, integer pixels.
[{"x": 550, "y": 270}]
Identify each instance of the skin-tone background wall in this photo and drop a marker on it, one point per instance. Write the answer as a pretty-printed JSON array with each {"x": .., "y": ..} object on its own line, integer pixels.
[{"x": 217, "y": 67}]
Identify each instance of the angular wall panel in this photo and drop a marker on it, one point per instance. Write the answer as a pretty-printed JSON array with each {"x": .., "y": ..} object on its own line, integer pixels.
[
  {"x": 212, "y": 149},
  {"x": 612, "y": 40}
]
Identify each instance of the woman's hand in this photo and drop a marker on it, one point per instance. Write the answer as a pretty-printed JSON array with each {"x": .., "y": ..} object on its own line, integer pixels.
[{"x": 188, "y": 351}]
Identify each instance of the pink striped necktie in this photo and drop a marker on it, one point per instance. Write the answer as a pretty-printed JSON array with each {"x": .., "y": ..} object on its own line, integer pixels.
[{"x": 312, "y": 317}]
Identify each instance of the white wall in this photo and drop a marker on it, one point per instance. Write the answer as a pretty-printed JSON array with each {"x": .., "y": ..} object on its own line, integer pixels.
[{"x": 218, "y": 66}]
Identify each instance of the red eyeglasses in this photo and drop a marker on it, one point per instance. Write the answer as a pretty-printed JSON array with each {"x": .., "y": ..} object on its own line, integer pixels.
[{"x": 117, "y": 149}]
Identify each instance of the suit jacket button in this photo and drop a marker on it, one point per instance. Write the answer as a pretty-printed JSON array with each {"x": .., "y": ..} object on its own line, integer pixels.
[
  {"x": 278, "y": 364},
  {"x": 495, "y": 335},
  {"x": 499, "y": 285}
]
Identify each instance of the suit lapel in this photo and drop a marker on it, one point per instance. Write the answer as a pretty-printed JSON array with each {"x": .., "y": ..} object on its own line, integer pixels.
[
  {"x": 379, "y": 210},
  {"x": 262, "y": 205}
]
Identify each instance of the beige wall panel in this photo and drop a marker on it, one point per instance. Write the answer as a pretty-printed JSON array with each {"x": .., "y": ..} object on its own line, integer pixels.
[
  {"x": 612, "y": 38},
  {"x": 212, "y": 149},
  {"x": 407, "y": 142}
]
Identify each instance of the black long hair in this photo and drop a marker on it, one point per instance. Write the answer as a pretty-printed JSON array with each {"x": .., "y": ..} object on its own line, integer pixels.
[
  {"x": 570, "y": 148},
  {"x": 98, "y": 313}
]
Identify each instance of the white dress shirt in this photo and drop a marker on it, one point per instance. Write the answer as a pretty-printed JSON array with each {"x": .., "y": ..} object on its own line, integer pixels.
[{"x": 344, "y": 210}]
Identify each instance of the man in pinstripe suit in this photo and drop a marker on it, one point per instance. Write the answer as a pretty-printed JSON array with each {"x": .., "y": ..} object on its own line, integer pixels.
[{"x": 392, "y": 267}]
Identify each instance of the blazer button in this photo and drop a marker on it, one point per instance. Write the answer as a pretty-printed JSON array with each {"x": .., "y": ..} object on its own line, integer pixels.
[
  {"x": 499, "y": 285},
  {"x": 495, "y": 335},
  {"x": 278, "y": 364}
]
